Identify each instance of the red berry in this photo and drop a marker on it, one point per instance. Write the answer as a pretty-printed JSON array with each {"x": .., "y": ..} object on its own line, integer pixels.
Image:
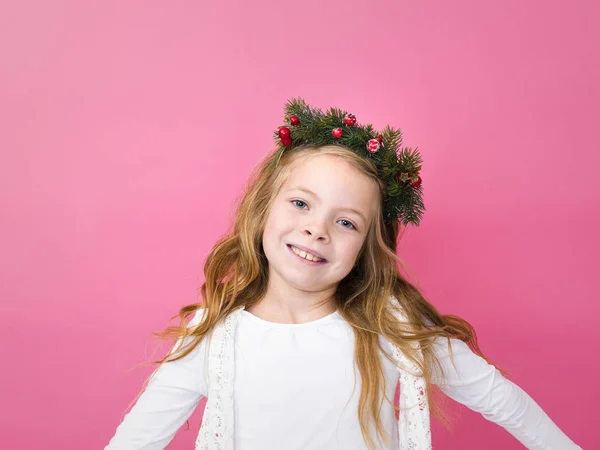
[
  {"x": 294, "y": 120},
  {"x": 286, "y": 142},
  {"x": 373, "y": 145},
  {"x": 337, "y": 133},
  {"x": 349, "y": 119},
  {"x": 284, "y": 133},
  {"x": 416, "y": 183}
]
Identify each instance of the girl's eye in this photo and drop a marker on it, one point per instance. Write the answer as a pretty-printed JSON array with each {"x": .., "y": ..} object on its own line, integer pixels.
[
  {"x": 295, "y": 202},
  {"x": 298, "y": 201},
  {"x": 352, "y": 225}
]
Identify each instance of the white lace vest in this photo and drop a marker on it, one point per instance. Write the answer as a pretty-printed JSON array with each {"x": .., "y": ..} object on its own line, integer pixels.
[{"x": 216, "y": 431}]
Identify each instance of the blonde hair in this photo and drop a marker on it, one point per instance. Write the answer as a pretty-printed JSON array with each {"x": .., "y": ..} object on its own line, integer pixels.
[{"x": 236, "y": 276}]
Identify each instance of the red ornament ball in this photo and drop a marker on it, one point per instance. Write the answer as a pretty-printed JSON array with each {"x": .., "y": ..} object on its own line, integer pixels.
[
  {"x": 373, "y": 145},
  {"x": 416, "y": 183},
  {"x": 349, "y": 119},
  {"x": 286, "y": 142},
  {"x": 294, "y": 120},
  {"x": 337, "y": 133},
  {"x": 284, "y": 133}
]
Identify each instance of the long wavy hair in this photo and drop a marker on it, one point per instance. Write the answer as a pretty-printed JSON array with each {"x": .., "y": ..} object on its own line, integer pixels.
[{"x": 236, "y": 276}]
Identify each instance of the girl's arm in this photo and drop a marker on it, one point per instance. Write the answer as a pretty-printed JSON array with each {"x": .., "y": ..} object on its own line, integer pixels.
[
  {"x": 172, "y": 394},
  {"x": 482, "y": 388}
]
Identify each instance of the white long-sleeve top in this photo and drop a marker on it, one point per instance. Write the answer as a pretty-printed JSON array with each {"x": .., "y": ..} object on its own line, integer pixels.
[{"x": 294, "y": 389}]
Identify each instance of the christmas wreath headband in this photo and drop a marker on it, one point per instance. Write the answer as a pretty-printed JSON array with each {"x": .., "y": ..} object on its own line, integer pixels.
[{"x": 397, "y": 166}]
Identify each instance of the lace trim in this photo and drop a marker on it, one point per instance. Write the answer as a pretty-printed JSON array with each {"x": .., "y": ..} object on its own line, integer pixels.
[
  {"x": 414, "y": 432},
  {"x": 216, "y": 431}
]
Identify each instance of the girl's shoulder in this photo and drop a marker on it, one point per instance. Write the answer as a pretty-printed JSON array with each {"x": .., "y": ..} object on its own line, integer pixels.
[{"x": 196, "y": 318}]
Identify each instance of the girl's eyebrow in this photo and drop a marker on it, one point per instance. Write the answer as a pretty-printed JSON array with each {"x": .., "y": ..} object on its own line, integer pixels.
[{"x": 308, "y": 191}]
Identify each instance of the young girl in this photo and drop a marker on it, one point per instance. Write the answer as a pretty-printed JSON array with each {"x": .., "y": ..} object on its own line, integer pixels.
[{"x": 306, "y": 325}]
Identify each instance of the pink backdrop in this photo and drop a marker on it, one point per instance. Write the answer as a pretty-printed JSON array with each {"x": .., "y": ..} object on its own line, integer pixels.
[{"x": 127, "y": 130}]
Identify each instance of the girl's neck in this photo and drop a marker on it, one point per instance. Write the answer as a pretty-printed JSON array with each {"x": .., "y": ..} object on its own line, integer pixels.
[{"x": 274, "y": 308}]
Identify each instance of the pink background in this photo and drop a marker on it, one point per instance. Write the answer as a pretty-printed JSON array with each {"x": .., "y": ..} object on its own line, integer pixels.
[{"x": 127, "y": 131}]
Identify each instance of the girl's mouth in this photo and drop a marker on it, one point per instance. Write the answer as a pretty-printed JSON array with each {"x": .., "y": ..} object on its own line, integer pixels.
[{"x": 304, "y": 260}]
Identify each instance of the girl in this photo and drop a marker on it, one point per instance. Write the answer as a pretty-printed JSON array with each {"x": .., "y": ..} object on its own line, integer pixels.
[{"x": 306, "y": 325}]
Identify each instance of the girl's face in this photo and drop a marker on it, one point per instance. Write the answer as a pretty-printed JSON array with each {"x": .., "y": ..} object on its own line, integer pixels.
[{"x": 327, "y": 206}]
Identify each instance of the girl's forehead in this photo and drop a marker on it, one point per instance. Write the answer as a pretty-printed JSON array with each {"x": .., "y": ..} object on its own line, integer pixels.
[
  {"x": 319, "y": 166},
  {"x": 333, "y": 181}
]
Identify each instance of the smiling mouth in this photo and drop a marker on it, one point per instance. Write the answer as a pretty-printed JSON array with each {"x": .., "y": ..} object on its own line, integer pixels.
[{"x": 319, "y": 261}]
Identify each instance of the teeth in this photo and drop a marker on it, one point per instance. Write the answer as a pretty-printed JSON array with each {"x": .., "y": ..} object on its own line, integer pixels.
[{"x": 305, "y": 255}]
